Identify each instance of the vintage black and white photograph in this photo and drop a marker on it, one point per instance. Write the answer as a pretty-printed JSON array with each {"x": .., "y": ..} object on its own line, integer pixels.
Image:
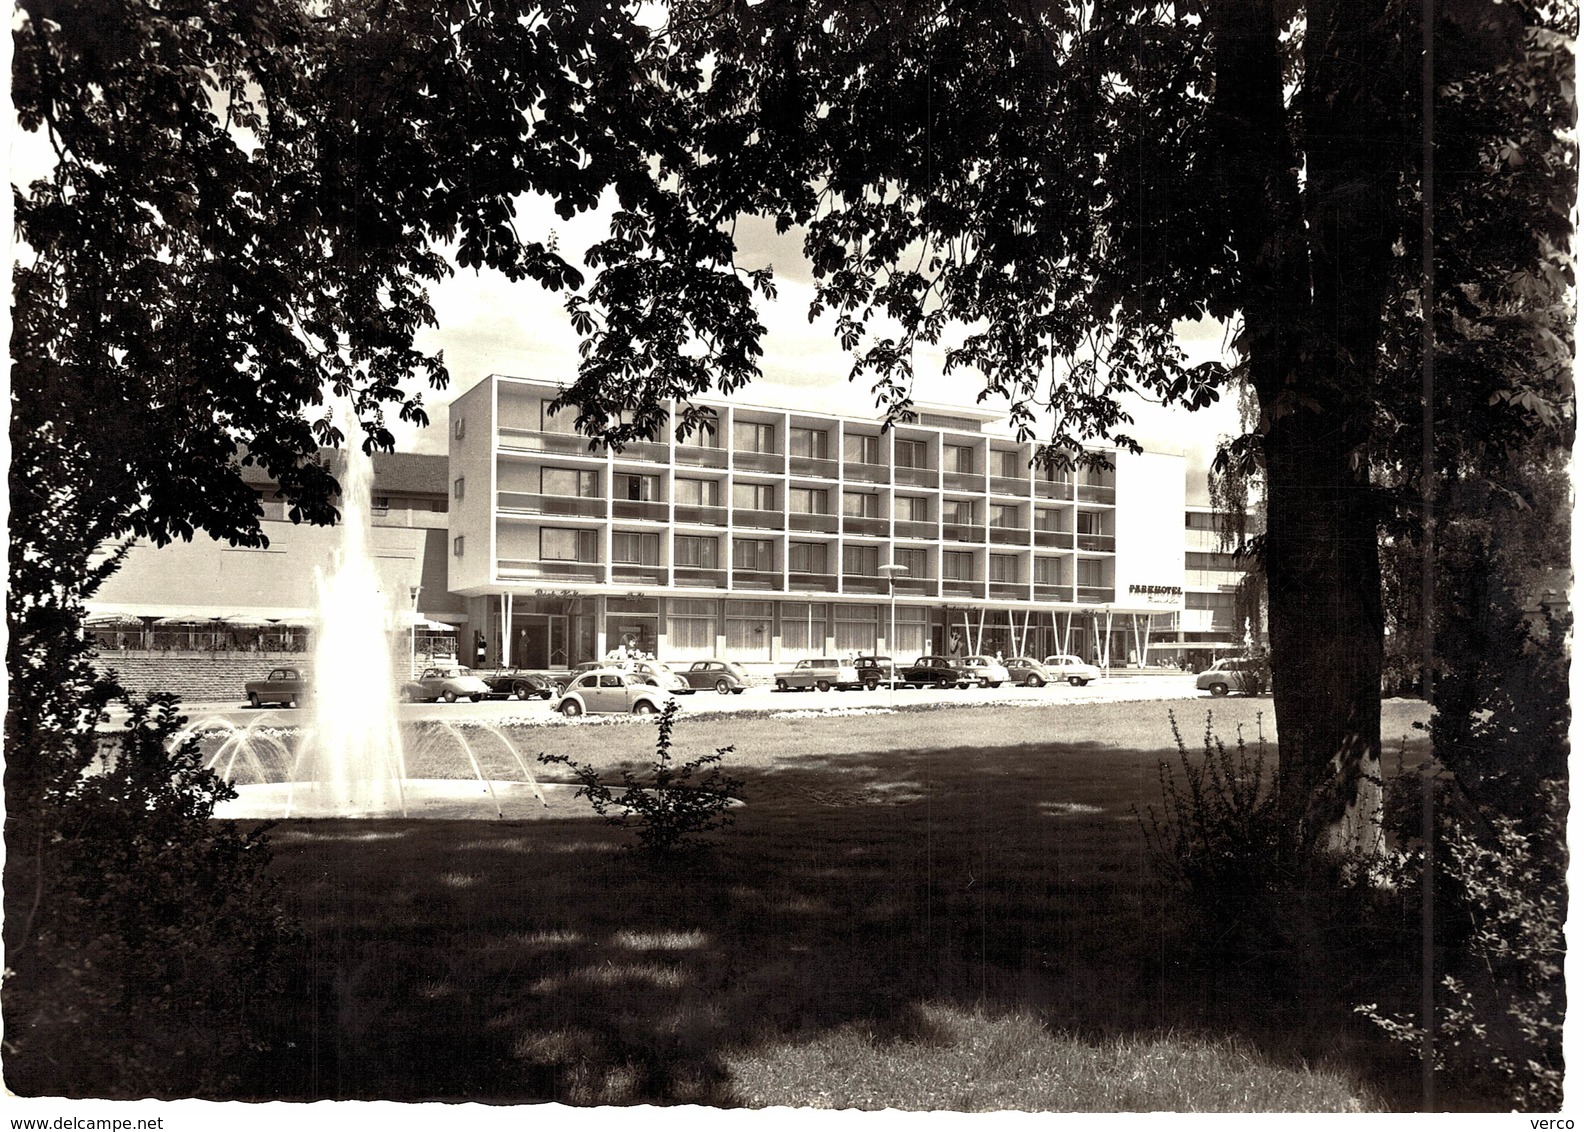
[{"x": 738, "y": 555}]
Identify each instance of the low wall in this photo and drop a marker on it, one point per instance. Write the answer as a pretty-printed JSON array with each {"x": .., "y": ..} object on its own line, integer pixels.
[{"x": 207, "y": 677}]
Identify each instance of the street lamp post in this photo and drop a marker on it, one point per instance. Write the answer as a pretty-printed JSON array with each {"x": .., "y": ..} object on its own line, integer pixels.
[{"x": 891, "y": 570}]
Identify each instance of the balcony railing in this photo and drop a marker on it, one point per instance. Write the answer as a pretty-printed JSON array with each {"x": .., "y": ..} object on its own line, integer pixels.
[
  {"x": 698, "y": 576},
  {"x": 868, "y": 473},
  {"x": 1096, "y": 595},
  {"x": 813, "y": 521},
  {"x": 759, "y": 461},
  {"x": 1097, "y": 542},
  {"x": 1053, "y": 489},
  {"x": 863, "y": 584},
  {"x": 814, "y": 466},
  {"x": 639, "y": 575},
  {"x": 962, "y": 532},
  {"x": 916, "y": 477},
  {"x": 1001, "y": 485},
  {"x": 1009, "y": 589},
  {"x": 816, "y": 583},
  {"x": 1062, "y": 540},
  {"x": 764, "y": 520},
  {"x": 1052, "y": 592},
  {"x": 1097, "y": 493},
  {"x": 550, "y": 504},
  {"x": 645, "y": 452},
  {"x": 862, "y": 525},
  {"x": 962, "y": 481},
  {"x": 552, "y": 571},
  {"x": 640, "y": 509},
  {"x": 1009, "y": 536},
  {"x": 755, "y": 580},
  {"x": 561, "y": 443},
  {"x": 916, "y": 586},
  {"x": 698, "y": 457},
  {"x": 957, "y": 587},
  {"x": 703, "y": 516},
  {"x": 907, "y": 528}
]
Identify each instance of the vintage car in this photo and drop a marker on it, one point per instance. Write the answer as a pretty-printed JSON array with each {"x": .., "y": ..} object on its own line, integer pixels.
[
  {"x": 286, "y": 686},
  {"x": 821, "y": 672},
  {"x": 725, "y": 676},
  {"x": 1247, "y": 674},
  {"x": 660, "y": 675},
  {"x": 608, "y": 690},
  {"x": 1029, "y": 672},
  {"x": 934, "y": 671},
  {"x": 986, "y": 671},
  {"x": 874, "y": 671},
  {"x": 517, "y": 683},
  {"x": 448, "y": 684},
  {"x": 1072, "y": 669}
]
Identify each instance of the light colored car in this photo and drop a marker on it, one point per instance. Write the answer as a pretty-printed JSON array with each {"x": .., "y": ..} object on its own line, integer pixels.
[
  {"x": 822, "y": 673},
  {"x": 1029, "y": 672},
  {"x": 604, "y": 691},
  {"x": 1249, "y": 675},
  {"x": 448, "y": 684},
  {"x": 986, "y": 671},
  {"x": 1072, "y": 669},
  {"x": 661, "y": 676}
]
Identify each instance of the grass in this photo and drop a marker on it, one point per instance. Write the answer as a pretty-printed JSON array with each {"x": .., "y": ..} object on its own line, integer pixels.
[{"x": 922, "y": 910}]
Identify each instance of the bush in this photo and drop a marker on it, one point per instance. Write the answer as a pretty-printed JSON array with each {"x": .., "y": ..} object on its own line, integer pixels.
[
  {"x": 668, "y": 808},
  {"x": 150, "y": 936}
]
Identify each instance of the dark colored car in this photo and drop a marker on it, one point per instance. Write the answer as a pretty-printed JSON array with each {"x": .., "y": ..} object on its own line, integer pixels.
[
  {"x": 517, "y": 684},
  {"x": 934, "y": 671},
  {"x": 724, "y": 676},
  {"x": 282, "y": 686},
  {"x": 874, "y": 671}
]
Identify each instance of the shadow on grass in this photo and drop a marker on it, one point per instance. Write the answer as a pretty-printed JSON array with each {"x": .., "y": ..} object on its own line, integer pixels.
[{"x": 534, "y": 961}]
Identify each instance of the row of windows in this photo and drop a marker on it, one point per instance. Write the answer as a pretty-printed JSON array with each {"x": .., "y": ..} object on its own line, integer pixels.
[{"x": 1200, "y": 561}]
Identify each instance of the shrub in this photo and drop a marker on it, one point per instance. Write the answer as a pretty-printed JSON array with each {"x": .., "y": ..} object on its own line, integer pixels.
[{"x": 668, "y": 808}]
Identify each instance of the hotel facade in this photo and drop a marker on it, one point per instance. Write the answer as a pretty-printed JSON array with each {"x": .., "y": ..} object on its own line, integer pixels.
[{"x": 788, "y": 533}]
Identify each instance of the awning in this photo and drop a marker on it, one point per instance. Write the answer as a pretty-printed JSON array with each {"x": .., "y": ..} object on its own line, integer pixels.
[
  {"x": 233, "y": 614},
  {"x": 428, "y": 626}
]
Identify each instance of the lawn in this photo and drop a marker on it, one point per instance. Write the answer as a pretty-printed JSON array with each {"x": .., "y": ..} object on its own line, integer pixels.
[{"x": 922, "y": 909}]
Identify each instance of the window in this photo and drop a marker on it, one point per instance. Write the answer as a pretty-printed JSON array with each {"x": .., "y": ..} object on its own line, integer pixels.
[
  {"x": 700, "y": 438},
  {"x": 803, "y": 627},
  {"x": 1002, "y": 515},
  {"x": 861, "y": 504},
  {"x": 957, "y": 458},
  {"x": 861, "y": 449},
  {"x": 691, "y": 626},
  {"x": 635, "y": 549},
  {"x": 753, "y": 554},
  {"x": 1210, "y": 561},
  {"x": 1193, "y": 600},
  {"x": 697, "y": 551},
  {"x": 459, "y": 428},
  {"x": 1009, "y": 465},
  {"x": 1201, "y": 521},
  {"x": 645, "y": 488},
  {"x": 381, "y": 504},
  {"x": 564, "y": 422},
  {"x": 456, "y": 545},
  {"x": 916, "y": 562},
  {"x": 754, "y": 496},
  {"x": 751, "y": 436},
  {"x": 910, "y": 454},
  {"x": 749, "y": 627},
  {"x": 559, "y": 545},
  {"x": 855, "y": 629},
  {"x": 1048, "y": 571},
  {"x": 1097, "y": 476},
  {"x": 1004, "y": 568},
  {"x": 1091, "y": 523},
  {"x": 1091, "y": 572},
  {"x": 957, "y": 565},
  {"x": 808, "y": 500},
  {"x": 960, "y": 511},
  {"x": 912, "y": 508},
  {"x": 569, "y": 481},
  {"x": 696, "y": 493},
  {"x": 458, "y": 487},
  {"x": 807, "y": 558},
  {"x": 863, "y": 560},
  {"x": 810, "y": 443},
  {"x": 1050, "y": 519}
]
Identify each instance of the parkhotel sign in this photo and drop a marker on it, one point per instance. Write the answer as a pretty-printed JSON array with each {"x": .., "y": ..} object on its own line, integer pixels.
[{"x": 1157, "y": 595}]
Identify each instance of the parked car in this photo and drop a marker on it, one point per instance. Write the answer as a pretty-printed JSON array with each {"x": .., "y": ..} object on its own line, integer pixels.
[
  {"x": 987, "y": 671},
  {"x": 725, "y": 676},
  {"x": 282, "y": 686},
  {"x": 1247, "y": 674},
  {"x": 448, "y": 684},
  {"x": 611, "y": 690},
  {"x": 517, "y": 684},
  {"x": 660, "y": 675},
  {"x": 874, "y": 671},
  {"x": 1029, "y": 672},
  {"x": 823, "y": 673},
  {"x": 934, "y": 671},
  {"x": 1072, "y": 669}
]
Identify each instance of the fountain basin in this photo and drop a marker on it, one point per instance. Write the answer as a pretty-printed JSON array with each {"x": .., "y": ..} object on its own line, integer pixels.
[{"x": 431, "y": 798}]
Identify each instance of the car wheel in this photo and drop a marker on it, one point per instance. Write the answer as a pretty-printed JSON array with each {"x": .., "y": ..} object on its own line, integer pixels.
[
  {"x": 253, "y": 700},
  {"x": 521, "y": 691},
  {"x": 571, "y": 709},
  {"x": 545, "y": 694},
  {"x": 1077, "y": 681},
  {"x": 723, "y": 686},
  {"x": 995, "y": 683},
  {"x": 737, "y": 691},
  {"x": 983, "y": 683},
  {"x": 449, "y": 697},
  {"x": 643, "y": 707},
  {"x": 1034, "y": 681},
  {"x": 291, "y": 703},
  {"x": 823, "y": 685},
  {"x": 781, "y": 685},
  {"x": 1218, "y": 689},
  {"x": 870, "y": 685}
]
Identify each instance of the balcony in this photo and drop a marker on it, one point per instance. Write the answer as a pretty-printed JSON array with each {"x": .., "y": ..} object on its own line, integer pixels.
[
  {"x": 916, "y": 586},
  {"x": 1052, "y": 593},
  {"x": 916, "y": 477},
  {"x": 755, "y": 580},
  {"x": 696, "y": 576},
  {"x": 863, "y": 584},
  {"x": 1060, "y": 540},
  {"x": 1096, "y": 595},
  {"x": 814, "y": 466},
  {"x": 560, "y": 443},
  {"x": 1096, "y": 493},
  {"x": 697, "y": 457},
  {"x": 700, "y": 515},
  {"x": 957, "y": 587},
  {"x": 759, "y": 461},
  {"x": 814, "y": 583},
  {"x": 638, "y": 575},
  {"x": 861, "y": 525},
  {"x": 867, "y": 473},
  {"x": 551, "y": 571},
  {"x": 1009, "y": 536},
  {"x": 963, "y": 481},
  {"x": 962, "y": 532},
  {"x": 550, "y": 504},
  {"x": 763, "y": 520},
  {"x": 640, "y": 509},
  {"x": 1106, "y": 543},
  {"x": 1009, "y": 589},
  {"x": 813, "y": 521},
  {"x": 1000, "y": 485},
  {"x": 645, "y": 452},
  {"x": 907, "y": 528},
  {"x": 1053, "y": 489}
]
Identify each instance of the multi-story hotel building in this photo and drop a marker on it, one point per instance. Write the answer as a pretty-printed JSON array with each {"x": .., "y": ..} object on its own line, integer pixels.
[
  {"x": 1211, "y": 623},
  {"x": 780, "y": 535}
]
